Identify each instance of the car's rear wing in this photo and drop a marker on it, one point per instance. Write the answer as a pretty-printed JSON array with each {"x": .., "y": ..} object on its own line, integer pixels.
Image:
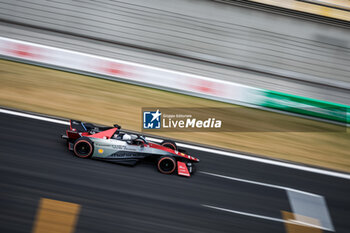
[
  {"x": 77, "y": 126},
  {"x": 76, "y": 129}
]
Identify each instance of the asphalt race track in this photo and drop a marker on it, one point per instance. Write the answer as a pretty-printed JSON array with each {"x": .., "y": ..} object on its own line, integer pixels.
[{"x": 35, "y": 164}]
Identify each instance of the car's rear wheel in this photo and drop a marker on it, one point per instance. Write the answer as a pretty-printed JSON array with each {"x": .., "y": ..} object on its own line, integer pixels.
[
  {"x": 83, "y": 148},
  {"x": 170, "y": 144},
  {"x": 166, "y": 165}
]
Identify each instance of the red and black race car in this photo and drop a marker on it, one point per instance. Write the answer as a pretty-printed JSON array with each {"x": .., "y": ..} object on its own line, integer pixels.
[{"x": 113, "y": 144}]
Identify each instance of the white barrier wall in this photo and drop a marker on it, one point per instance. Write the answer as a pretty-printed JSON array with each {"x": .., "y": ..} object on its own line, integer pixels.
[{"x": 126, "y": 70}]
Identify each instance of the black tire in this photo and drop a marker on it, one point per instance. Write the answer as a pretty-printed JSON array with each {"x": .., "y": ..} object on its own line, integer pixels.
[
  {"x": 83, "y": 148},
  {"x": 170, "y": 144},
  {"x": 166, "y": 164}
]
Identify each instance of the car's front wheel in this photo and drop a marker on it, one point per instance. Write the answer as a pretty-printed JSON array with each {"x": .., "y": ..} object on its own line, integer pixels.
[
  {"x": 166, "y": 164},
  {"x": 83, "y": 148},
  {"x": 170, "y": 144}
]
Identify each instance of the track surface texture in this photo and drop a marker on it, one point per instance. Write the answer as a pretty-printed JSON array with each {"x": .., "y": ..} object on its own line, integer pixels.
[{"x": 35, "y": 163}]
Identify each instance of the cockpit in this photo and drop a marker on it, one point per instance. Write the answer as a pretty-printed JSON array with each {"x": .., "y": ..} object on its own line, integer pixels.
[{"x": 131, "y": 139}]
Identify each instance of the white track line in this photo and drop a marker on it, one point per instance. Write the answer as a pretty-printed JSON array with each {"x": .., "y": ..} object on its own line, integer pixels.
[
  {"x": 261, "y": 183},
  {"x": 267, "y": 161},
  {"x": 266, "y": 217},
  {"x": 292, "y": 202},
  {"x": 214, "y": 151},
  {"x": 27, "y": 115}
]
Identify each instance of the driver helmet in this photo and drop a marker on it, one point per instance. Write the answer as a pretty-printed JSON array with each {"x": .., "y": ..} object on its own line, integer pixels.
[{"x": 126, "y": 137}]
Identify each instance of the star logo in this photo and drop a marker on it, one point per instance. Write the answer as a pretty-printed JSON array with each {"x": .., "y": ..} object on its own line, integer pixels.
[
  {"x": 152, "y": 119},
  {"x": 156, "y": 115}
]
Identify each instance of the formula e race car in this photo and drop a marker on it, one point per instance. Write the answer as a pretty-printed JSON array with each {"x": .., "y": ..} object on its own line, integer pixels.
[{"x": 115, "y": 145}]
